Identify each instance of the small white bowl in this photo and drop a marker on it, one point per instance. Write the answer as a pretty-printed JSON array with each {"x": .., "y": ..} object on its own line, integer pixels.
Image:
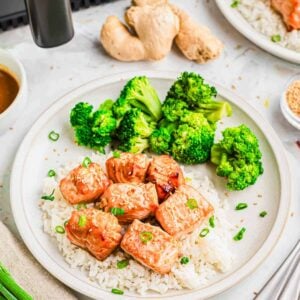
[
  {"x": 286, "y": 111},
  {"x": 12, "y": 113}
]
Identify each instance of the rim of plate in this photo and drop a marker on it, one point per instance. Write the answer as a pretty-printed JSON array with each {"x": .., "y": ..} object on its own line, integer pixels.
[
  {"x": 85, "y": 288},
  {"x": 241, "y": 25}
]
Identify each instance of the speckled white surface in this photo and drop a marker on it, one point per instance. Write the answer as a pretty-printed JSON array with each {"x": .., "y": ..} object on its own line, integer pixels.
[{"x": 244, "y": 68}]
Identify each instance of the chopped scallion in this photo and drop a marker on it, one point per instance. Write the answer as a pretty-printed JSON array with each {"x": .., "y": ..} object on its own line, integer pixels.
[
  {"x": 191, "y": 203},
  {"x": 66, "y": 223},
  {"x": 117, "y": 291},
  {"x": 82, "y": 221},
  {"x": 86, "y": 162},
  {"x": 212, "y": 221},
  {"x": 48, "y": 197},
  {"x": 59, "y": 229},
  {"x": 122, "y": 264},
  {"x": 53, "y": 136},
  {"x": 81, "y": 206},
  {"x": 239, "y": 236},
  {"x": 51, "y": 173},
  {"x": 235, "y": 3},
  {"x": 241, "y": 206},
  {"x": 276, "y": 38},
  {"x": 146, "y": 236},
  {"x": 184, "y": 260},
  {"x": 204, "y": 232},
  {"x": 116, "y": 154},
  {"x": 263, "y": 214},
  {"x": 117, "y": 211}
]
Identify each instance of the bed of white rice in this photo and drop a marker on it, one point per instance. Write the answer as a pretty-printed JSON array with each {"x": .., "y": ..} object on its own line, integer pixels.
[
  {"x": 264, "y": 19},
  {"x": 208, "y": 256}
]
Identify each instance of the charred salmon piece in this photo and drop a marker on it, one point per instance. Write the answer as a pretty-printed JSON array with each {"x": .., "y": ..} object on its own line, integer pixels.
[
  {"x": 127, "y": 168},
  {"x": 183, "y": 211},
  {"x": 290, "y": 11},
  {"x": 151, "y": 246},
  {"x": 136, "y": 200},
  {"x": 84, "y": 184},
  {"x": 166, "y": 174},
  {"x": 94, "y": 230}
]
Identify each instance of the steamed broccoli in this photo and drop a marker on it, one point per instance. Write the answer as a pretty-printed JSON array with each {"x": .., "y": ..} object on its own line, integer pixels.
[
  {"x": 135, "y": 144},
  {"x": 238, "y": 157},
  {"x": 193, "y": 139},
  {"x": 138, "y": 93},
  {"x": 191, "y": 89},
  {"x": 173, "y": 108},
  {"x": 93, "y": 129}
]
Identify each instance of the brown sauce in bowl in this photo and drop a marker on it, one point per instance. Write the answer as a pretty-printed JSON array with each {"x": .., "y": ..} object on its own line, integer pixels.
[{"x": 9, "y": 88}]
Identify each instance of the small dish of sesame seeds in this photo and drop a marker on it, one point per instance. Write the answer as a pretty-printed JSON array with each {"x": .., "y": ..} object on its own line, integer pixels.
[{"x": 290, "y": 101}]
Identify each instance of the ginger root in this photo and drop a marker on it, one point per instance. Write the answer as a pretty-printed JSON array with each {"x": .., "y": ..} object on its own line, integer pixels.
[{"x": 153, "y": 25}]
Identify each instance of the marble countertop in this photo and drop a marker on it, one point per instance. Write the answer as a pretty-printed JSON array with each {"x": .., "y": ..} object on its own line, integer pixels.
[{"x": 250, "y": 72}]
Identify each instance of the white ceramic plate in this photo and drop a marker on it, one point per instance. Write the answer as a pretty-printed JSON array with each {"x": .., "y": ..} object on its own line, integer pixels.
[
  {"x": 240, "y": 24},
  {"x": 37, "y": 154}
]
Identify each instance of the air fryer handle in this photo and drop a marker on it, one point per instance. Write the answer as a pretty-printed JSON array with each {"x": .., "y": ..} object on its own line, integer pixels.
[{"x": 50, "y": 21}]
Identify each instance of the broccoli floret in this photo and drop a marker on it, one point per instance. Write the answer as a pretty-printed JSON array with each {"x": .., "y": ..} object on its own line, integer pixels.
[
  {"x": 215, "y": 110},
  {"x": 135, "y": 144},
  {"x": 172, "y": 109},
  {"x": 193, "y": 139},
  {"x": 160, "y": 140},
  {"x": 80, "y": 114},
  {"x": 103, "y": 122},
  {"x": 238, "y": 157},
  {"x": 138, "y": 93}
]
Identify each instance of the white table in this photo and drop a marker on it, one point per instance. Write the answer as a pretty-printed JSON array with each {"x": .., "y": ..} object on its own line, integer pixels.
[{"x": 249, "y": 71}]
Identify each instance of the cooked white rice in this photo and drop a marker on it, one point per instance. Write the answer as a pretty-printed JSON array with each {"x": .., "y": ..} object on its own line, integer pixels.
[
  {"x": 208, "y": 256},
  {"x": 264, "y": 19}
]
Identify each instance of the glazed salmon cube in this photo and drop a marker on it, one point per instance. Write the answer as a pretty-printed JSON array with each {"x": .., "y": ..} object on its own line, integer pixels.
[
  {"x": 84, "y": 184},
  {"x": 151, "y": 246},
  {"x": 94, "y": 230},
  {"x": 134, "y": 200},
  {"x": 183, "y": 211},
  {"x": 166, "y": 174},
  {"x": 127, "y": 168}
]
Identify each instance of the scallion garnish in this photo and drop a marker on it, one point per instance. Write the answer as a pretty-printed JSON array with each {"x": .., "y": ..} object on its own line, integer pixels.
[
  {"x": 81, "y": 206},
  {"x": 263, "y": 214},
  {"x": 122, "y": 264},
  {"x": 82, "y": 221},
  {"x": 191, "y": 203},
  {"x": 276, "y": 38},
  {"x": 117, "y": 211},
  {"x": 241, "y": 206},
  {"x": 212, "y": 221},
  {"x": 66, "y": 223},
  {"x": 53, "y": 136},
  {"x": 146, "y": 236},
  {"x": 239, "y": 236},
  {"x": 51, "y": 173},
  {"x": 117, "y": 291},
  {"x": 49, "y": 197},
  {"x": 204, "y": 232},
  {"x": 59, "y": 229},
  {"x": 116, "y": 154},
  {"x": 235, "y": 3},
  {"x": 184, "y": 260},
  {"x": 86, "y": 162}
]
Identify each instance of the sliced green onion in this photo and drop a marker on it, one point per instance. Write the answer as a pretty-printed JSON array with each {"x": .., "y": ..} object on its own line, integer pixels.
[
  {"x": 235, "y": 3},
  {"x": 241, "y": 206},
  {"x": 53, "y": 136},
  {"x": 117, "y": 211},
  {"x": 86, "y": 162},
  {"x": 116, "y": 154},
  {"x": 184, "y": 260},
  {"x": 66, "y": 223},
  {"x": 204, "y": 232},
  {"x": 239, "y": 236},
  {"x": 191, "y": 203},
  {"x": 212, "y": 221},
  {"x": 117, "y": 291},
  {"x": 146, "y": 236},
  {"x": 81, "y": 206},
  {"x": 7, "y": 295},
  {"x": 51, "y": 173},
  {"x": 49, "y": 197},
  {"x": 276, "y": 38},
  {"x": 60, "y": 229},
  {"x": 82, "y": 221},
  {"x": 263, "y": 214},
  {"x": 122, "y": 264}
]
